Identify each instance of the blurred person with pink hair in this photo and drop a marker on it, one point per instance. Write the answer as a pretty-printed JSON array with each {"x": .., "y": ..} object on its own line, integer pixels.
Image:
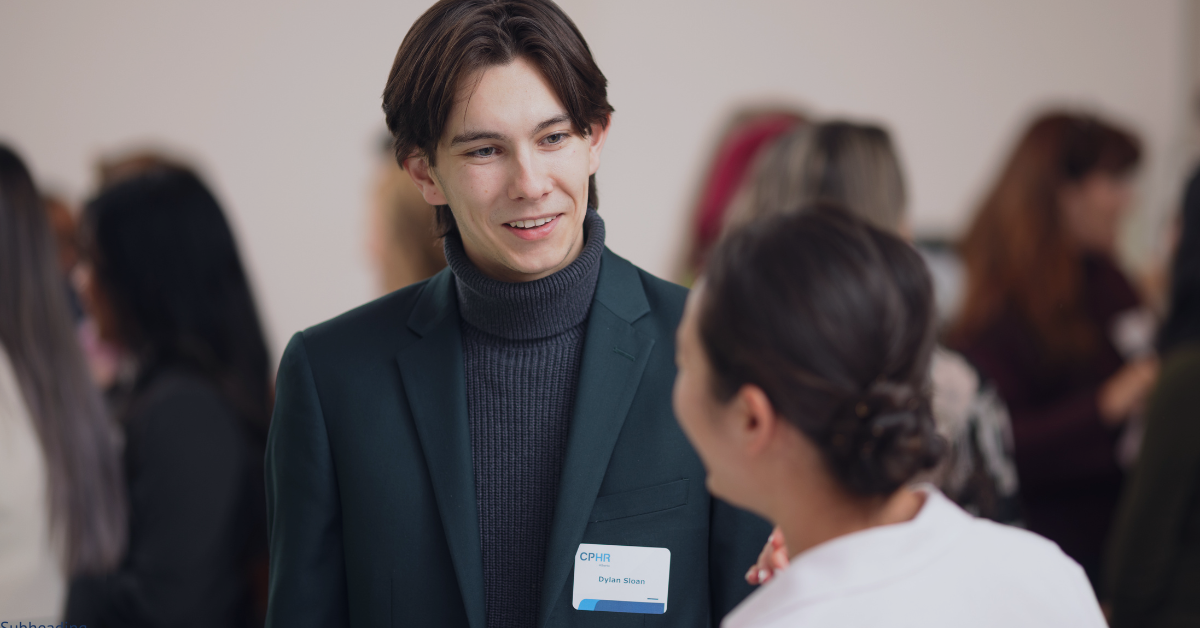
[{"x": 747, "y": 133}]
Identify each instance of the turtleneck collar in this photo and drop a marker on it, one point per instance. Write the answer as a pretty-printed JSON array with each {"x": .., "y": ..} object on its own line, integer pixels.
[{"x": 533, "y": 309}]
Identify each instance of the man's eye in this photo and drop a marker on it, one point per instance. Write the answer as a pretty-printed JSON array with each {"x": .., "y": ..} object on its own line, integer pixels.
[
  {"x": 486, "y": 151},
  {"x": 556, "y": 138}
]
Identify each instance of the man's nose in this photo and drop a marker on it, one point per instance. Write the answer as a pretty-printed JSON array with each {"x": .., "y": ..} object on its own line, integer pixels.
[{"x": 530, "y": 181}]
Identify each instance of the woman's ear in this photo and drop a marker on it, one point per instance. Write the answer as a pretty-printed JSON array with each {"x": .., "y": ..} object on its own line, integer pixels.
[
  {"x": 757, "y": 421},
  {"x": 421, "y": 172}
]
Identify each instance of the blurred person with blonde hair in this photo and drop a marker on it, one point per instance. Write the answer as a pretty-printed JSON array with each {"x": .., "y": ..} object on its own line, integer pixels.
[
  {"x": 1053, "y": 321},
  {"x": 856, "y": 166},
  {"x": 402, "y": 228},
  {"x": 62, "y": 503},
  {"x": 850, "y": 164}
]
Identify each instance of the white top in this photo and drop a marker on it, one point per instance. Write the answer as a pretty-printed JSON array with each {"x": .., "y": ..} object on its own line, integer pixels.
[
  {"x": 943, "y": 568},
  {"x": 32, "y": 582}
]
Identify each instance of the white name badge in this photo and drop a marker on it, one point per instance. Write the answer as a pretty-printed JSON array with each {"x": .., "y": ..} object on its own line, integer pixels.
[{"x": 621, "y": 579}]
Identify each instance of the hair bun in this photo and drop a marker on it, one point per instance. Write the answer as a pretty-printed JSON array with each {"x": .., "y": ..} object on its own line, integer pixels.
[{"x": 880, "y": 439}]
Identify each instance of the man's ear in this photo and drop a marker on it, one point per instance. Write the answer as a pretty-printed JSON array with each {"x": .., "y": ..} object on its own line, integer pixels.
[
  {"x": 422, "y": 174},
  {"x": 596, "y": 144},
  {"x": 759, "y": 421}
]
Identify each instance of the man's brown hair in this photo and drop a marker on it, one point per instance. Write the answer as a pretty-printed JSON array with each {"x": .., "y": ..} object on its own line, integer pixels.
[{"x": 456, "y": 38}]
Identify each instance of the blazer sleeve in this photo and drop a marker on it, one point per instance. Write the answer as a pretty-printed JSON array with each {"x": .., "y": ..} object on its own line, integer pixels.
[
  {"x": 1158, "y": 503},
  {"x": 307, "y": 577},
  {"x": 736, "y": 538}
]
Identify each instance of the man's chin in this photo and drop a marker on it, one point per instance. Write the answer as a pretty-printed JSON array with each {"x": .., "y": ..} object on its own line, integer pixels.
[{"x": 536, "y": 267}]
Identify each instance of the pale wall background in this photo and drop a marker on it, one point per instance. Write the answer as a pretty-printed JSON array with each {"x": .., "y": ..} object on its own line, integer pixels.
[{"x": 278, "y": 103}]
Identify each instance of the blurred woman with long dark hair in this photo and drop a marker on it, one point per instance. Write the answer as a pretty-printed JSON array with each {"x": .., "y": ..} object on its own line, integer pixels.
[
  {"x": 167, "y": 285},
  {"x": 1045, "y": 317},
  {"x": 1154, "y": 559},
  {"x": 62, "y": 501}
]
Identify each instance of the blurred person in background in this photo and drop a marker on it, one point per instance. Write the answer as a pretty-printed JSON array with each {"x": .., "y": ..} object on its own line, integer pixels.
[
  {"x": 746, "y": 134},
  {"x": 166, "y": 283},
  {"x": 402, "y": 228},
  {"x": 803, "y": 383},
  {"x": 103, "y": 359},
  {"x": 112, "y": 368},
  {"x": 1047, "y": 316},
  {"x": 857, "y": 167},
  {"x": 62, "y": 498},
  {"x": 65, "y": 231},
  {"x": 118, "y": 166},
  {"x": 1153, "y": 571}
]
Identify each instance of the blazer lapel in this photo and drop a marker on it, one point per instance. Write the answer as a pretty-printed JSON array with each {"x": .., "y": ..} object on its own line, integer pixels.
[
  {"x": 434, "y": 381},
  {"x": 614, "y": 357}
]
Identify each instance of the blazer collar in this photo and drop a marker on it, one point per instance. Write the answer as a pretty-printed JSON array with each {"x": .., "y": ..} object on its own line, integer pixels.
[
  {"x": 432, "y": 371},
  {"x": 436, "y": 302},
  {"x": 615, "y": 355},
  {"x": 620, "y": 288}
]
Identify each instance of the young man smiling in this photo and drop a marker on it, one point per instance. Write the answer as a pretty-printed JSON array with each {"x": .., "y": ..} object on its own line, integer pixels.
[{"x": 451, "y": 454}]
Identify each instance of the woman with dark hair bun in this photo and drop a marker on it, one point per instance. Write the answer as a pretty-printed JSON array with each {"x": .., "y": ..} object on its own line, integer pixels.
[
  {"x": 803, "y": 384},
  {"x": 167, "y": 286},
  {"x": 857, "y": 166}
]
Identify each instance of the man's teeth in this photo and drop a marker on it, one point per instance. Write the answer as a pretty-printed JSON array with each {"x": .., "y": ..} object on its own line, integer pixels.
[{"x": 529, "y": 224}]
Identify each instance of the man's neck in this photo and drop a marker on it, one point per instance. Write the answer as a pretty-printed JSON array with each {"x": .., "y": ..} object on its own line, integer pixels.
[{"x": 528, "y": 309}]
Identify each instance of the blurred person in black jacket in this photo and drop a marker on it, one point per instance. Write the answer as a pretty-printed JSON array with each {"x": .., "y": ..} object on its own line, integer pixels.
[
  {"x": 166, "y": 283},
  {"x": 1154, "y": 558}
]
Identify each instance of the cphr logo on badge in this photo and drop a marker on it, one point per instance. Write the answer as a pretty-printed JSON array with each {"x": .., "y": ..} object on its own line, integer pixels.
[{"x": 621, "y": 579}]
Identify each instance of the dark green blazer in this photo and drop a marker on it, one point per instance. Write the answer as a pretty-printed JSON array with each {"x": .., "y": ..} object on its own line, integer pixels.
[
  {"x": 1154, "y": 555},
  {"x": 370, "y": 489}
]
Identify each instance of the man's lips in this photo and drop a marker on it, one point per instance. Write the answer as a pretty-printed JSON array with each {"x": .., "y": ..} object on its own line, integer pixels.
[{"x": 537, "y": 228}]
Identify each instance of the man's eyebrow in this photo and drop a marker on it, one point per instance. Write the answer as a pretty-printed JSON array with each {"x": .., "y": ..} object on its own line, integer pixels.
[
  {"x": 559, "y": 119},
  {"x": 472, "y": 136},
  {"x": 463, "y": 138}
]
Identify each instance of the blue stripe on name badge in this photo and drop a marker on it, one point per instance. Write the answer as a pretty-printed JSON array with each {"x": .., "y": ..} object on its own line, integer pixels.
[{"x": 616, "y": 606}]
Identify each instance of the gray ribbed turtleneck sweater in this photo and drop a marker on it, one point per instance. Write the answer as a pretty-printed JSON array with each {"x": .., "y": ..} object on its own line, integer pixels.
[{"x": 522, "y": 348}]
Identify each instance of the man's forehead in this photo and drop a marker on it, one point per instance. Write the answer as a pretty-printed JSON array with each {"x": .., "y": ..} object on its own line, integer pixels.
[{"x": 509, "y": 98}]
